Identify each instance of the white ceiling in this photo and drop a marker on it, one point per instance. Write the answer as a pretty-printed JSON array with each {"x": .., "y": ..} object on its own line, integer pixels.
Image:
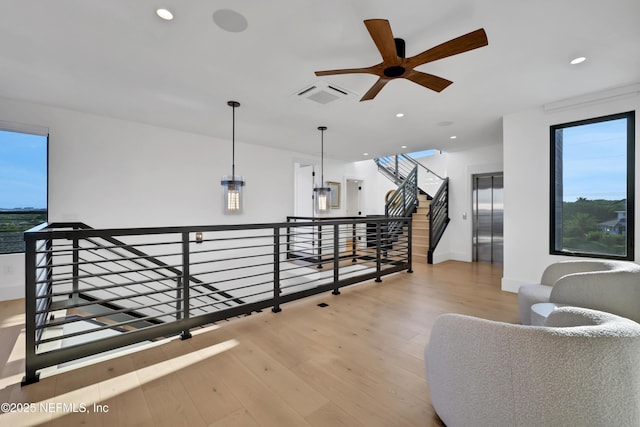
[{"x": 118, "y": 59}]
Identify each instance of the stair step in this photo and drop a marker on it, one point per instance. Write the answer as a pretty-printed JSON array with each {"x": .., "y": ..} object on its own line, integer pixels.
[{"x": 419, "y": 249}]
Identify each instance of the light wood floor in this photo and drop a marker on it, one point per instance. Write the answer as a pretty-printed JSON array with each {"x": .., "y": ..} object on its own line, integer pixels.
[{"x": 357, "y": 362}]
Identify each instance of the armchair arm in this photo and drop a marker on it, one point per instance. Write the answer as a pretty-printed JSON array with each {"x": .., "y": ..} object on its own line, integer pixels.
[{"x": 468, "y": 371}]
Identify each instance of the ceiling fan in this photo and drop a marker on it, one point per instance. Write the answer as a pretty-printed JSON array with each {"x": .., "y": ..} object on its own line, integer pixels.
[{"x": 394, "y": 64}]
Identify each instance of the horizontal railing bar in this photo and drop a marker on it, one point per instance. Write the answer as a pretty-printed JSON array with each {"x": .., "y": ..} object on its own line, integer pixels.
[
  {"x": 117, "y": 273},
  {"x": 107, "y": 288},
  {"x": 101, "y": 328},
  {"x": 212, "y": 261},
  {"x": 107, "y": 260},
  {"x": 225, "y": 239},
  {"x": 125, "y": 310},
  {"x": 69, "y": 304},
  {"x": 113, "y": 232}
]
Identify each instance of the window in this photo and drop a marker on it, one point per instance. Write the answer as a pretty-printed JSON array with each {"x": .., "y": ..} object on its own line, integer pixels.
[
  {"x": 592, "y": 187},
  {"x": 23, "y": 187}
]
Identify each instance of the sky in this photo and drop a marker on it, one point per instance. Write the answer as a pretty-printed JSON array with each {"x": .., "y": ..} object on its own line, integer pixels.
[
  {"x": 595, "y": 161},
  {"x": 23, "y": 170}
]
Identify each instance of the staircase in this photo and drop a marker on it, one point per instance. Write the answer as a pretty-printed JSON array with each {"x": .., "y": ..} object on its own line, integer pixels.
[
  {"x": 420, "y": 227},
  {"x": 430, "y": 219}
]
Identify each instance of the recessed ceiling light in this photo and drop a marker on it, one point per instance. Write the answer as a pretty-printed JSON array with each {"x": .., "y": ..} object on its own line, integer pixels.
[
  {"x": 230, "y": 20},
  {"x": 400, "y": 115},
  {"x": 578, "y": 60},
  {"x": 452, "y": 137},
  {"x": 403, "y": 146},
  {"x": 164, "y": 14},
  {"x": 365, "y": 154}
]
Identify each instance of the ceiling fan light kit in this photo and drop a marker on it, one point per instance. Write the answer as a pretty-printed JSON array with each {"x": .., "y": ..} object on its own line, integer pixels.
[{"x": 395, "y": 65}]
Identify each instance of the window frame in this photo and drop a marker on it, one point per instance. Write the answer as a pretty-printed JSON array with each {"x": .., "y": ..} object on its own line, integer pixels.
[{"x": 554, "y": 236}]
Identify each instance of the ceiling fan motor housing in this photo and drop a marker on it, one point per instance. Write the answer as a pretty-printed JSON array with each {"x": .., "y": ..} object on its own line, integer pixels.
[{"x": 397, "y": 70}]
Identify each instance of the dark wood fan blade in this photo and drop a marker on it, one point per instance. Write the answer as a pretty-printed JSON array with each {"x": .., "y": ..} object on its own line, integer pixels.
[
  {"x": 368, "y": 70},
  {"x": 428, "y": 80},
  {"x": 473, "y": 40},
  {"x": 380, "y": 32},
  {"x": 375, "y": 89}
]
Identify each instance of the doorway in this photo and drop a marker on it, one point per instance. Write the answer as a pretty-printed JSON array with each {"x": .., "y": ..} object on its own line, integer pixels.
[
  {"x": 488, "y": 218},
  {"x": 303, "y": 203},
  {"x": 354, "y": 197}
]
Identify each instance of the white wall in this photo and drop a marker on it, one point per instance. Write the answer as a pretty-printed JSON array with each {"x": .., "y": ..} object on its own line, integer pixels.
[
  {"x": 526, "y": 180},
  {"x": 375, "y": 185},
  {"x": 114, "y": 173}
]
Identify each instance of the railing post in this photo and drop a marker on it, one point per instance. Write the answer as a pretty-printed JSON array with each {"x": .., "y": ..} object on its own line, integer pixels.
[
  {"x": 336, "y": 257},
  {"x": 319, "y": 246},
  {"x": 179, "y": 298},
  {"x": 378, "y": 251},
  {"x": 409, "y": 245},
  {"x": 288, "y": 240},
  {"x": 185, "y": 334},
  {"x": 397, "y": 172},
  {"x": 31, "y": 376},
  {"x": 353, "y": 242},
  {"x": 76, "y": 270},
  {"x": 276, "y": 268}
]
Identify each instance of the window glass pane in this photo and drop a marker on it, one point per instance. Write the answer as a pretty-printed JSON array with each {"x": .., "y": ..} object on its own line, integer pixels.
[
  {"x": 592, "y": 178},
  {"x": 23, "y": 187}
]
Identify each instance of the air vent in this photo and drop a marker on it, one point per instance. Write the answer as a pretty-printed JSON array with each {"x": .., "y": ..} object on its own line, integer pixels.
[{"x": 323, "y": 93}]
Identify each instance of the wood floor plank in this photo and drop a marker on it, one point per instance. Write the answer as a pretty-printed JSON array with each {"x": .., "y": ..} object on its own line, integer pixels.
[
  {"x": 357, "y": 362},
  {"x": 288, "y": 386}
]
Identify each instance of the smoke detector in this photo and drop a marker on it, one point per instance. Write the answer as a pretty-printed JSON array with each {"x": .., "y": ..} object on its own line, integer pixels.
[{"x": 323, "y": 93}]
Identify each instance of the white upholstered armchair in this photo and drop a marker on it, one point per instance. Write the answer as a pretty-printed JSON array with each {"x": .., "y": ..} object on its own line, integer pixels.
[
  {"x": 581, "y": 369},
  {"x": 611, "y": 286}
]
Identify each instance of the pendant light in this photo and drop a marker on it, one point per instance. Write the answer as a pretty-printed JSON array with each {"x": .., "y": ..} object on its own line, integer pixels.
[
  {"x": 321, "y": 193},
  {"x": 232, "y": 185}
]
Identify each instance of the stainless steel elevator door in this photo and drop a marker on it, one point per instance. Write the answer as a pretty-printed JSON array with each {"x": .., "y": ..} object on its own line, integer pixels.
[{"x": 488, "y": 218}]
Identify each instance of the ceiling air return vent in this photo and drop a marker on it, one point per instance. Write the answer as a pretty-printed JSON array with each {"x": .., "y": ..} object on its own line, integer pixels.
[{"x": 323, "y": 93}]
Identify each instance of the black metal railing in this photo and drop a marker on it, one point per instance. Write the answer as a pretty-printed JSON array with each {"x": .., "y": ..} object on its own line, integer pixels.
[
  {"x": 397, "y": 168},
  {"x": 402, "y": 203},
  {"x": 90, "y": 290},
  {"x": 438, "y": 218}
]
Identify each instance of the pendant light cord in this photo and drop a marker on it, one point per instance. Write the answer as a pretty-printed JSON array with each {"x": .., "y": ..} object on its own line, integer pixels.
[
  {"x": 233, "y": 105},
  {"x": 322, "y": 129},
  {"x": 233, "y": 142}
]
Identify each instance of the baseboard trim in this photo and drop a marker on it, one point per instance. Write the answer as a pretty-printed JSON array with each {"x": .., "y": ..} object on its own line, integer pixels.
[
  {"x": 510, "y": 285},
  {"x": 11, "y": 292}
]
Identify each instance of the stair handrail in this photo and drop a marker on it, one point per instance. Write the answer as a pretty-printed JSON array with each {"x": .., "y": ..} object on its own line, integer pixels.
[
  {"x": 417, "y": 163},
  {"x": 396, "y": 167},
  {"x": 405, "y": 197}
]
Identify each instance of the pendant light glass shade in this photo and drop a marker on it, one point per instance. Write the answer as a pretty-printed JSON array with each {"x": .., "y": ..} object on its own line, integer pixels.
[
  {"x": 232, "y": 194},
  {"x": 232, "y": 185},
  {"x": 321, "y": 194}
]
